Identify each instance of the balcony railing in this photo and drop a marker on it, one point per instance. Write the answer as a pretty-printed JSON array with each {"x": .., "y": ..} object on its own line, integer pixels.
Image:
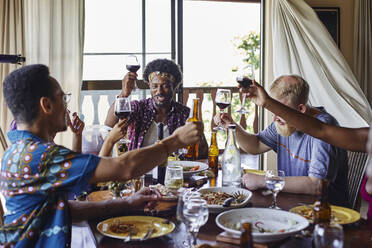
[{"x": 95, "y": 100}]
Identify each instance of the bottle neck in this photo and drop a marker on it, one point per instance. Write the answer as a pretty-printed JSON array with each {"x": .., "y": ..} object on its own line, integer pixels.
[
  {"x": 231, "y": 137},
  {"x": 323, "y": 191},
  {"x": 214, "y": 139},
  {"x": 195, "y": 110}
]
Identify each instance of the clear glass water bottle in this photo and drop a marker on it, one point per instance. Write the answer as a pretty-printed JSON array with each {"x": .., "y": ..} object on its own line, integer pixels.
[{"x": 231, "y": 166}]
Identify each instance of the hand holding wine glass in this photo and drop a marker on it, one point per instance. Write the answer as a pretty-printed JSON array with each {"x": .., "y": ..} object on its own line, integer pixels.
[
  {"x": 275, "y": 182},
  {"x": 122, "y": 111},
  {"x": 223, "y": 101},
  {"x": 244, "y": 78},
  {"x": 129, "y": 81}
]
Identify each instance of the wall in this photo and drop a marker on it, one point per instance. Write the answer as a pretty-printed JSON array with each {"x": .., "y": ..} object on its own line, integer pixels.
[{"x": 346, "y": 23}]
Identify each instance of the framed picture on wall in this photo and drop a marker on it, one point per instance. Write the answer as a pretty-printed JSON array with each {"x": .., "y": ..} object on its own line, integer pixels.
[{"x": 330, "y": 17}]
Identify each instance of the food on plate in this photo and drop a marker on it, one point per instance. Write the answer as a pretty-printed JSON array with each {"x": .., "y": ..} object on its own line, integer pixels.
[
  {"x": 119, "y": 227},
  {"x": 259, "y": 227},
  {"x": 218, "y": 198},
  {"x": 308, "y": 214},
  {"x": 191, "y": 168},
  {"x": 165, "y": 192}
]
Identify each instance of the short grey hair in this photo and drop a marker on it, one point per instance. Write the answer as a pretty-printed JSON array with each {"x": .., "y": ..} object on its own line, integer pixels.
[{"x": 296, "y": 93}]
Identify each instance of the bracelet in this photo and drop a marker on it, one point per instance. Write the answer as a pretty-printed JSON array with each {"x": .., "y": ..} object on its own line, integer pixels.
[{"x": 165, "y": 146}]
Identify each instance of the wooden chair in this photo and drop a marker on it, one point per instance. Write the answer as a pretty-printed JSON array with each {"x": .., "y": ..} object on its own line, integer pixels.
[
  {"x": 357, "y": 166},
  {"x": 3, "y": 140}
]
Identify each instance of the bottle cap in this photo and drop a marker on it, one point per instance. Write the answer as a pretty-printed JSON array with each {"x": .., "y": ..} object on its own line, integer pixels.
[{"x": 232, "y": 126}]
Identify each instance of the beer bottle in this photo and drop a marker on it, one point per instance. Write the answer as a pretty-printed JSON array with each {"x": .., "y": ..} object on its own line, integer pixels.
[
  {"x": 192, "y": 150},
  {"x": 246, "y": 240},
  {"x": 158, "y": 175},
  {"x": 213, "y": 154},
  {"x": 322, "y": 208}
]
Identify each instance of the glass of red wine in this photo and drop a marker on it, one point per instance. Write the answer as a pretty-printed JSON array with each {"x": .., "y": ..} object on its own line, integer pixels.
[
  {"x": 132, "y": 64},
  {"x": 244, "y": 78},
  {"x": 223, "y": 101},
  {"x": 122, "y": 111}
]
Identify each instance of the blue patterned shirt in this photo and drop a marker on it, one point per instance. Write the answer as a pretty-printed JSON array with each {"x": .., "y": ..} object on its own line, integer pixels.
[{"x": 35, "y": 178}]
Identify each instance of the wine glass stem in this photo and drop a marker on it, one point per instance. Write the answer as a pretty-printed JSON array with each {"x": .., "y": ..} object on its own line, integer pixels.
[
  {"x": 194, "y": 238},
  {"x": 275, "y": 193},
  {"x": 243, "y": 101}
]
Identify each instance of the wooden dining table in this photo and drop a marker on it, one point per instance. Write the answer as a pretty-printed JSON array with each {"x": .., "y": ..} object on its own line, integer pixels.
[{"x": 358, "y": 234}]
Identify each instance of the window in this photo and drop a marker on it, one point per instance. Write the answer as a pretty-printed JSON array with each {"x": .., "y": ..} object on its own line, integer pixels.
[
  {"x": 209, "y": 31},
  {"x": 114, "y": 29}
]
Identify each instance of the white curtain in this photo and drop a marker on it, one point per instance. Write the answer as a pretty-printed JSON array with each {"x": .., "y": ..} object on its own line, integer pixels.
[
  {"x": 303, "y": 46},
  {"x": 54, "y": 32},
  {"x": 363, "y": 45},
  {"x": 11, "y": 42}
]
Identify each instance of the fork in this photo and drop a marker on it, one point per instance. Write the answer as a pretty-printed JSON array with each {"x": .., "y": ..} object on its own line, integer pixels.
[
  {"x": 148, "y": 234},
  {"x": 128, "y": 237},
  {"x": 239, "y": 196}
]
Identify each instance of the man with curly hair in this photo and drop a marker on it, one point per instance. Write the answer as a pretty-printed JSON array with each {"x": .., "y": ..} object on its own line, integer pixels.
[{"x": 163, "y": 77}]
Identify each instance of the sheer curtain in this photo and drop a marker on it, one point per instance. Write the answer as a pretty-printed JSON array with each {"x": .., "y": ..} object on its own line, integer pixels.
[
  {"x": 11, "y": 42},
  {"x": 303, "y": 46},
  {"x": 363, "y": 45},
  {"x": 54, "y": 32}
]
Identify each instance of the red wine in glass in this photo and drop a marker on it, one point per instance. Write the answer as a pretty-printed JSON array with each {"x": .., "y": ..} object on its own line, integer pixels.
[
  {"x": 133, "y": 68},
  {"x": 245, "y": 82},
  {"x": 222, "y": 105},
  {"x": 122, "y": 114}
]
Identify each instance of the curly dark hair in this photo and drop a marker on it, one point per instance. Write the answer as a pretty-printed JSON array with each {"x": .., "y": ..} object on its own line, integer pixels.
[
  {"x": 163, "y": 65},
  {"x": 23, "y": 89}
]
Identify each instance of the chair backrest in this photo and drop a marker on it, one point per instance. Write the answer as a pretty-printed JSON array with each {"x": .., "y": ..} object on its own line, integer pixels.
[{"x": 357, "y": 165}]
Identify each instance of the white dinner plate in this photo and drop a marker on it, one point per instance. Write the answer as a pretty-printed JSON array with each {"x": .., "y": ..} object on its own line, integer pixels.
[
  {"x": 277, "y": 224},
  {"x": 190, "y": 164},
  {"x": 214, "y": 208}
]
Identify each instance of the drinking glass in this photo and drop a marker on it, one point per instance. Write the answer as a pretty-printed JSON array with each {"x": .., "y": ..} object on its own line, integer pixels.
[
  {"x": 328, "y": 235},
  {"x": 173, "y": 177},
  {"x": 223, "y": 101},
  {"x": 132, "y": 64},
  {"x": 195, "y": 213},
  {"x": 244, "y": 78},
  {"x": 122, "y": 111},
  {"x": 275, "y": 182},
  {"x": 185, "y": 196}
]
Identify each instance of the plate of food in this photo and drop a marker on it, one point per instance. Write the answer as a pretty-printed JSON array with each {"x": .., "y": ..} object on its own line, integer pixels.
[
  {"x": 190, "y": 167},
  {"x": 268, "y": 225},
  {"x": 224, "y": 198},
  {"x": 136, "y": 226},
  {"x": 166, "y": 193},
  {"x": 339, "y": 215}
]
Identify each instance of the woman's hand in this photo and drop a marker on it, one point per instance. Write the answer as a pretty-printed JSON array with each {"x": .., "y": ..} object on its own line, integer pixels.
[{"x": 118, "y": 131}]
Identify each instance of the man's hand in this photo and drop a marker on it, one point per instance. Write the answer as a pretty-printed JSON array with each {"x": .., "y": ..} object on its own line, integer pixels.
[
  {"x": 188, "y": 134},
  {"x": 118, "y": 131},
  {"x": 76, "y": 125},
  {"x": 253, "y": 181},
  {"x": 223, "y": 118},
  {"x": 256, "y": 93},
  {"x": 145, "y": 197},
  {"x": 128, "y": 83}
]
